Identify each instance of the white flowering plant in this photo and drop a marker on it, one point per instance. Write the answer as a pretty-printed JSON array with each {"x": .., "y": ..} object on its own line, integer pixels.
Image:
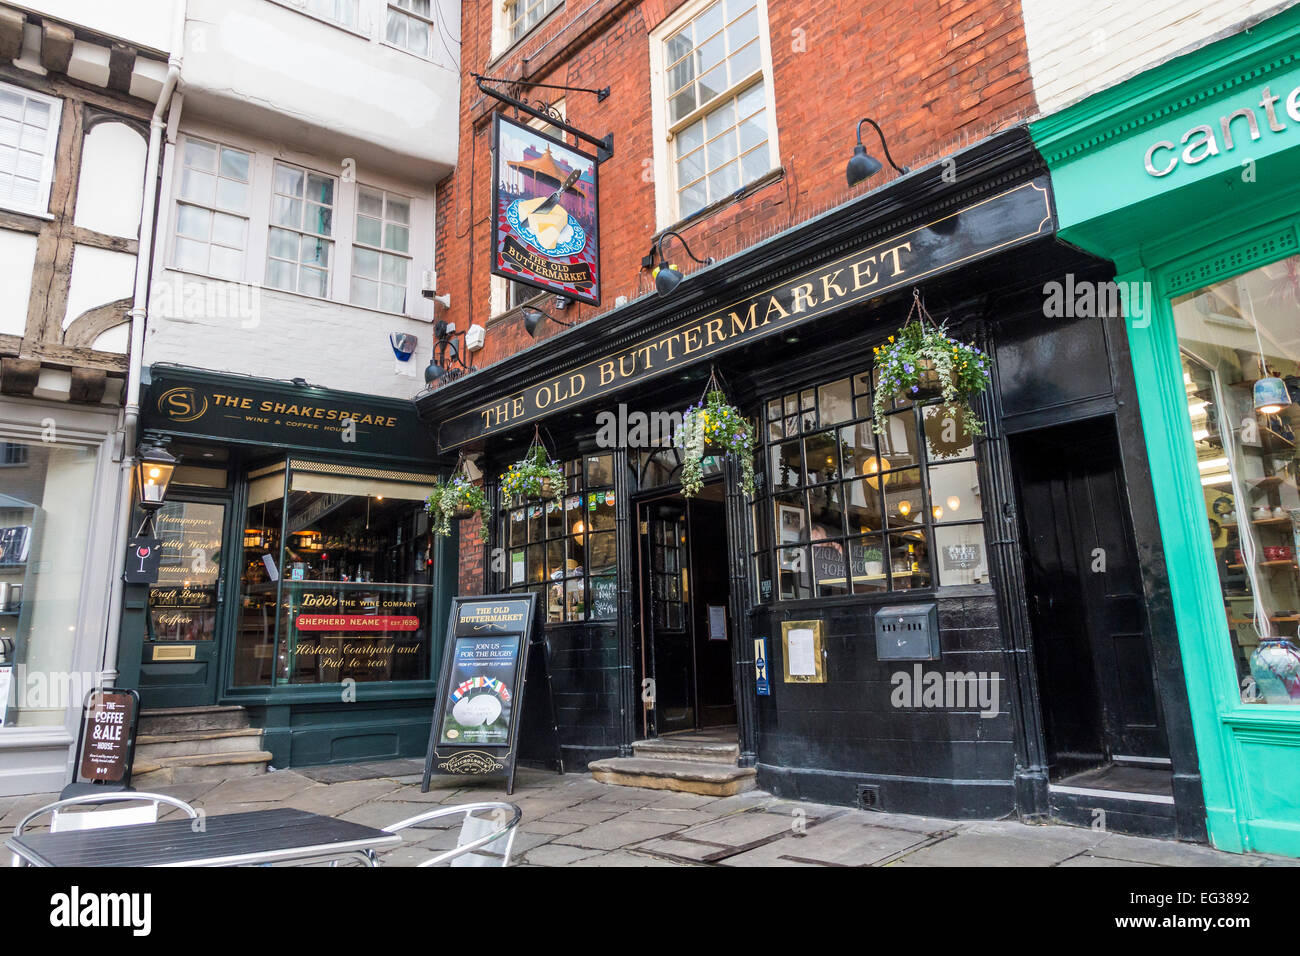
[
  {"x": 714, "y": 427},
  {"x": 457, "y": 497},
  {"x": 924, "y": 361}
]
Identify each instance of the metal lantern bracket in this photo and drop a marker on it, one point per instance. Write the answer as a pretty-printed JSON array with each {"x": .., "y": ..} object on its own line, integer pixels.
[{"x": 604, "y": 147}]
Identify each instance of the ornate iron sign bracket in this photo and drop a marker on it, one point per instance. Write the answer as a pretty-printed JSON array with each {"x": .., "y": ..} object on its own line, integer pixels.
[{"x": 604, "y": 147}]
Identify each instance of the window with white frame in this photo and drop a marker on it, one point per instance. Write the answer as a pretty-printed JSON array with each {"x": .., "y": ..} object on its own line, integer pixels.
[
  {"x": 339, "y": 11},
  {"x": 410, "y": 26},
  {"x": 29, "y": 132},
  {"x": 714, "y": 99},
  {"x": 300, "y": 248},
  {"x": 381, "y": 261},
  {"x": 342, "y": 12},
  {"x": 212, "y": 210},
  {"x": 522, "y": 15}
]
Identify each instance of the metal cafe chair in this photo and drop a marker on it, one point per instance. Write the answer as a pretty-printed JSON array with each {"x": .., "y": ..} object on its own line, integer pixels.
[
  {"x": 62, "y": 821},
  {"x": 481, "y": 824}
]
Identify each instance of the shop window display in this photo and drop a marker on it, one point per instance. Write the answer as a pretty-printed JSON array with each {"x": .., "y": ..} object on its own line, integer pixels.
[
  {"x": 46, "y": 493},
  {"x": 335, "y": 576},
  {"x": 1240, "y": 343},
  {"x": 848, "y": 511},
  {"x": 565, "y": 551}
]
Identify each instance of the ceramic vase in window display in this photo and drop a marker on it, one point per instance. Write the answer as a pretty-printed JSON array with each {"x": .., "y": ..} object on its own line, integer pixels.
[{"x": 1275, "y": 667}]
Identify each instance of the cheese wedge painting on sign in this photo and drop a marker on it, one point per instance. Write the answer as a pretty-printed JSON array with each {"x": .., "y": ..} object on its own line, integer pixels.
[{"x": 544, "y": 231}]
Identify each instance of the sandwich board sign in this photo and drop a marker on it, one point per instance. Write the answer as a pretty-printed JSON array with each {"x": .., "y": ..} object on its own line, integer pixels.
[{"x": 494, "y": 647}]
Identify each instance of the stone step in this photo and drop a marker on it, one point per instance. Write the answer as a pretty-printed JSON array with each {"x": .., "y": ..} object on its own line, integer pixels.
[
  {"x": 175, "y": 720},
  {"x": 152, "y": 747},
  {"x": 198, "y": 768},
  {"x": 703, "y": 751},
  {"x": 685, "y": 776}
]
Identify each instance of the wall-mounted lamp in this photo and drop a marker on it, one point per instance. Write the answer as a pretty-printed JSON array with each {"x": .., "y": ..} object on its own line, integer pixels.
[
  {"x": 667, "y": 275},
  {"x": 153, "y": 472},
  {"x": 862, "y": 165},
  {"x": 446, "y": 363},
  {"x": 533, "y": 318}
]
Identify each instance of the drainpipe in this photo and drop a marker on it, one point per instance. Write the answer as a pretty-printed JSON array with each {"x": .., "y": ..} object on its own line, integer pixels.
[{"x": 138, "y": 315}]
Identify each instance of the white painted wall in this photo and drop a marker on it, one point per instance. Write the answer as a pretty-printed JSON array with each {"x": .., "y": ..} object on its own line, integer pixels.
[
  {"x": 1080, "y": 47},
  {"x": 99, "y": 276},
  {"x": 110, "y": 188},
  {"x": 246, "y": 328},
  {"x": 264, "y": 67},
  {"x": 18, "y": 255},
  {"x": 144, "y": 22}
]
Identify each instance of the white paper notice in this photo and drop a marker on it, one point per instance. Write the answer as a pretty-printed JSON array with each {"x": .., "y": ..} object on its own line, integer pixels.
[
  {"x": 717, "y": 622},
  {"x": 803, "y": 663}
]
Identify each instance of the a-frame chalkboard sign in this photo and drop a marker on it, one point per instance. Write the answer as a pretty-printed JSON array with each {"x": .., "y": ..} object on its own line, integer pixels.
[{"x": 495, "y": 655}]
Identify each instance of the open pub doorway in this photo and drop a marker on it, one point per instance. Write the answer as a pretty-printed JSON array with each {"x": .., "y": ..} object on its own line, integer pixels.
[{"x": 685, "y": 617}]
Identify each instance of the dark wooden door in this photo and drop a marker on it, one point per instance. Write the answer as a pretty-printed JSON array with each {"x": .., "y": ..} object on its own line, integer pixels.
[
  {"x": 666, "y": 600},
  {"x": 684, "y": 575},
  {"x": 184, "y": 620},
  {"x": 710, "y": 589},
  {"x": 1091, "y": 644}
]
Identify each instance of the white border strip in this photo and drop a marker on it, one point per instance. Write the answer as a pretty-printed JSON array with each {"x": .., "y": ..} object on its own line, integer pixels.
[{"x": 1111, "y": 794}]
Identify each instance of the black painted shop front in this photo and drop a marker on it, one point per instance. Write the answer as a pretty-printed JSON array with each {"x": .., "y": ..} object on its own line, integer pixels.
[{"x": 1070, "y": 715}]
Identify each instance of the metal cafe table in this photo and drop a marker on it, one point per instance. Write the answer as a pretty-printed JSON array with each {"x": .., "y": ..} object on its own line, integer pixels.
[{"x": 236, "y": 839}]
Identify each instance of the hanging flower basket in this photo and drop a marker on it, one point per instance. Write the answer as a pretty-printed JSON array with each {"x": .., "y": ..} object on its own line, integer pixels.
[
  {"x": 924, "y": 362},
  {"x": 715, "y": 428},
  {"x": 457, "y": 498},
  {"x": 533, "y": 477}
]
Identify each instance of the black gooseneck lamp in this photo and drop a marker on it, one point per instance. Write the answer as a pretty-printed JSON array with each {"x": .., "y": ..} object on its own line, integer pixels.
[
  {"x": 862, "y": 165},
  {"x": 446, "y": 363},
  {"x": 534, "y": 317},
  {"x": 666, "y": 275}
]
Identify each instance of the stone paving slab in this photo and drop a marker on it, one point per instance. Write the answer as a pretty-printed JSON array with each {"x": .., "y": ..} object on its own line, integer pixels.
[
  {"x": 557, "y": 854},
  {"x": 844, "y": 841},
  {"x": 614, "y": 834},
  {"x": 269, "y": 788},
  {"x": 975, "y": 845},
  {"x": 341, "y": 773},
  {"x": 333, "y": 800},
  {"x": 622, "y": 858},
  {"x": 1118, "y": 847}
]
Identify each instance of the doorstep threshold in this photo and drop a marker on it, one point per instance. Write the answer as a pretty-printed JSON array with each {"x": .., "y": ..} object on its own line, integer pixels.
[{"x": 1111, "y": 794}]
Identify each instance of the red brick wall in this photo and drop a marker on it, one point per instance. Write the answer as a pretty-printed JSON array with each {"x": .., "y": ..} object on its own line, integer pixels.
[{"x": 936, "y": 75}]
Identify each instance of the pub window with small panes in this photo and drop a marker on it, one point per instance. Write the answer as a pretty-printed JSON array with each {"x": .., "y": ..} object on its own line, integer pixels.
[
  {"x": 846, "y": 510},
  {"x": 565, "y": 552}
]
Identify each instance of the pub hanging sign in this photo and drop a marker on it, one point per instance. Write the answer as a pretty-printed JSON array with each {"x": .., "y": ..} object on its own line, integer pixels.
[{"x": 544, "y": 228}]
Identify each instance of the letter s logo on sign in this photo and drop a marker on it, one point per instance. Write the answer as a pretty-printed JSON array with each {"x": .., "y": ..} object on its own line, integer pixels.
[{"x": 182, "y": 404}]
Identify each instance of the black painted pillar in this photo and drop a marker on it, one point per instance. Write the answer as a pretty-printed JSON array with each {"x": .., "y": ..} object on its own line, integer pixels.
[
  {"x": 1003, "y": 528},
  {"x": 739, "y": 534},
  {"x": 625, "y": 541}
]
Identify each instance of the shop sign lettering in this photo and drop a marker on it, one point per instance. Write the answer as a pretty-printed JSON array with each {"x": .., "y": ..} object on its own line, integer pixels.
[{"x": 1012, "y": 217}]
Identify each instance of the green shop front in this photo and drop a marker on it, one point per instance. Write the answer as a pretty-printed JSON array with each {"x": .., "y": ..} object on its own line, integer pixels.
[
  {"x": 299, "y": 577},
  {"x": 1186, "y": 178}
]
